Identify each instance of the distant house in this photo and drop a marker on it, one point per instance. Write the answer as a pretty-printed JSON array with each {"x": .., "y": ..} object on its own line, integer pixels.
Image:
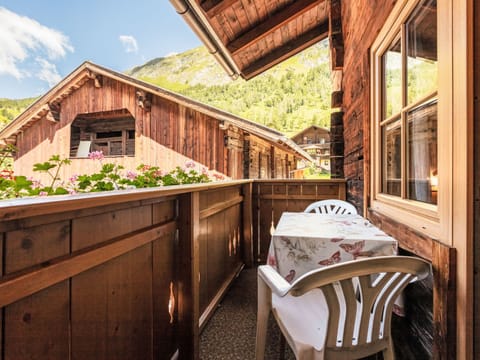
[
  {"x": 315, "y": 140},
  {"x": 133, "y": 123}
]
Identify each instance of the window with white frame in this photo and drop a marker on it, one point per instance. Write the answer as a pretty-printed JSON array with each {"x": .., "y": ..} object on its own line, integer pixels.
[{"x": 406, "y": 161}]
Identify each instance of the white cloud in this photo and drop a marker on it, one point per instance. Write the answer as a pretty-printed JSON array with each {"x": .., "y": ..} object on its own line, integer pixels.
[
  {"x": 23, "y": 39},
  {"x": 48, "y": 72},
  {"x": 129, "y": 43}
]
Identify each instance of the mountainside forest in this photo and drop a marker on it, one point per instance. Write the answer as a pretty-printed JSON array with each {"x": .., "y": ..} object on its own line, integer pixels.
[
  {"x": 10, "y": 108},
  {"x": 289, "y": 97}
]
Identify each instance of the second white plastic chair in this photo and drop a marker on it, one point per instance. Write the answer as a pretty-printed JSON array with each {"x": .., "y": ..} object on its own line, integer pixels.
[{"x": 331, "y": 206}]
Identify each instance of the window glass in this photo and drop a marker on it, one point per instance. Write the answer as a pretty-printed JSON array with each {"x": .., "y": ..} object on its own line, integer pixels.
[
  {"x": 422, "y": 153},
  {"x": 408, "y": 123},
  {"x": 392, "y": 158},
  {"x": 392, "y": 84},
  {"x": 421, "y": 40}
]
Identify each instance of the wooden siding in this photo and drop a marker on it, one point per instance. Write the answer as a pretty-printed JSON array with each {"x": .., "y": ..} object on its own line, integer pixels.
[
  {"x": 361, "y": 23},
  {"x": 90, "y": 277},
  {"x": 312, "y": 135},
  {"x": 167, "y": 135}
]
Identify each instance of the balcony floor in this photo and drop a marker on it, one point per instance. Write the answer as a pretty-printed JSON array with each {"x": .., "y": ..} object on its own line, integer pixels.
[{"x": 230, "y": 333}]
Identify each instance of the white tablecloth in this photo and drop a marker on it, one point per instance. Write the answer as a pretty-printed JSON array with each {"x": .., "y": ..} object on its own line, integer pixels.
[{"x": 302, "y": 242}]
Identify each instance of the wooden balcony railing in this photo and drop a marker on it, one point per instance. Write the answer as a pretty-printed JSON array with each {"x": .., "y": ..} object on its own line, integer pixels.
[
  {"x": 132, "y": 274},
  {"x": 126, "y": 275}
]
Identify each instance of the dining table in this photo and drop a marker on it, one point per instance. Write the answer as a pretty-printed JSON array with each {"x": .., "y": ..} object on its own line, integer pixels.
[{"x": 302, "y": 242}]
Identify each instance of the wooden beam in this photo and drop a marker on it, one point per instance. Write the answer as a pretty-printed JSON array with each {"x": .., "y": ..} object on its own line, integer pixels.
[
  {"x": 217, "y": 208},
  {"x": 247, "y": 214},
  {"x": 189, "y": 272},
  {"x": 54, "y": 111},
  {"x": 213, "y": 7},
  {"x": 279, "y": 19},
  {"x": 335, "y": 33},
  {"x": 444, "y": 307},
  {"x": 291, "y": 48}
]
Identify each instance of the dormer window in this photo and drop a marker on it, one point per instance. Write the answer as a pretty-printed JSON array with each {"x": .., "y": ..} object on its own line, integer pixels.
[{"x": 111, "y": 132}]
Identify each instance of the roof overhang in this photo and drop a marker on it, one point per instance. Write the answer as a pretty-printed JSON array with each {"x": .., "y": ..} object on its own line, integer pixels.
[{"x": 248, "y": 39}]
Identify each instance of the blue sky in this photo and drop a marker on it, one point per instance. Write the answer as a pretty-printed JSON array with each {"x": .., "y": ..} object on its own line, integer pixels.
[{"x": 42, "y": 41}]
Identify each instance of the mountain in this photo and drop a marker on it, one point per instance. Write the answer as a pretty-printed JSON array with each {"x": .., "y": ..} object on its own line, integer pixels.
[
  {"x": 289, "y": 97},
  {"x": 10, "y": 108}
]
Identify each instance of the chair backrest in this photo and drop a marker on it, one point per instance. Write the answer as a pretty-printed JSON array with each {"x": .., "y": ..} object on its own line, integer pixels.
[
  {"x": 360, "y": 296},
  {"x": 331, "y": 206}
]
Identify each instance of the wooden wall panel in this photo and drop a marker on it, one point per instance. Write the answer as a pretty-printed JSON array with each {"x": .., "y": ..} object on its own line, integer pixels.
[
  {"x": 37, "y": 327},
  {"x": 91, "y": 230},
  {"x": 203, "y": 237},
  {"x": 217, "y": 253},
  {"x": 216, "y": 244},
  {"x": 165, "y": 280},
  {"x": 112, "y": 309},
  {"x": 164, "y": 211},
  {"x": 361, "y": 22},
  {"x": 36, "y": 245}
]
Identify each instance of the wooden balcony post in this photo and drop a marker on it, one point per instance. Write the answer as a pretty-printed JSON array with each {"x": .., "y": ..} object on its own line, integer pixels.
[
  {"x": 247, "y": 225},
  {"x": 189, "y": 292}
]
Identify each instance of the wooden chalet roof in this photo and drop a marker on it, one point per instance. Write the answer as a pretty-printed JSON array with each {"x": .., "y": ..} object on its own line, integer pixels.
[
  {"x": 48, "y": 107},
  {"x": 310, "y": 128},
  {"x": 249, "y": 37}
]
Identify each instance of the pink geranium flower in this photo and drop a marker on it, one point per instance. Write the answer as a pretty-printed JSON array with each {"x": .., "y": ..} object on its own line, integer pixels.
[
  {"x": 131, "y": 175},
  {"x": 190, "y": 164},
  {"x": 96, "y": 155}
]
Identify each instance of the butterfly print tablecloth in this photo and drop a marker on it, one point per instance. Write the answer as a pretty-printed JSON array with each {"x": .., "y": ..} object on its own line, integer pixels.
[{"x": 304, "y": 241}]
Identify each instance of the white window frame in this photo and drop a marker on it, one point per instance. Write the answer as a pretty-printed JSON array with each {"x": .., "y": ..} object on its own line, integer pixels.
[{"x": 431, "y": 220}]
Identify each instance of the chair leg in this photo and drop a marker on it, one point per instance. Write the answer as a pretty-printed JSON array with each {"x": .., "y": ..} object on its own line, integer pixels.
[
  {"x": 282, "y": 346},
  {"x": 264, "y": 305},
  {"x": 388, "y": 354}
]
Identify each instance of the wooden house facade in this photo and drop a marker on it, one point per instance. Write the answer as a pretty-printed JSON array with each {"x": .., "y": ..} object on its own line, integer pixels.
[
  {"x": 315, "y": 140},
  {"x": 409, "y": 153},
  {"x": 133, "y": 123}
]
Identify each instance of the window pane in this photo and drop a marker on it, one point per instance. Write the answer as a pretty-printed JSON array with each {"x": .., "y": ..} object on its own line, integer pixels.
[
  {"x": 392, "y": 80},
  {"x": 421, "y": 30},
  {"x": 392, "y": 158},
  {"x": 422, "y": 153}
]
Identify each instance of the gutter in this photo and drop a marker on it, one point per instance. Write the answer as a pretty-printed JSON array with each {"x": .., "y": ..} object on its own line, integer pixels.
[{"x": 193, "y": 16}]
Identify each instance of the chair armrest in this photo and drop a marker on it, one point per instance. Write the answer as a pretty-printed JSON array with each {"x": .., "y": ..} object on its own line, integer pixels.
[{"x": 274, "y": 280}]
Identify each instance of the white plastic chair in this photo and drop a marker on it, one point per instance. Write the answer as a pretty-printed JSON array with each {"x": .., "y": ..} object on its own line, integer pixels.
[
  {"x": 342, "y": 311},
  {"x": 331, "y": 206}
]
